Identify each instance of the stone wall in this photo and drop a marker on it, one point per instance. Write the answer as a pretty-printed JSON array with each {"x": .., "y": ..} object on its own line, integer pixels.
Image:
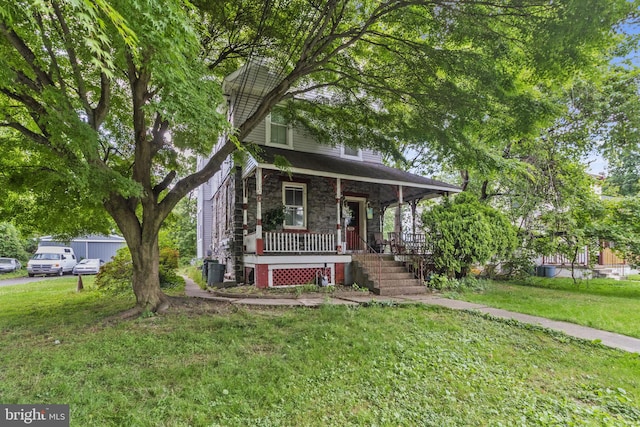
[{"x": 321, "y": 199}]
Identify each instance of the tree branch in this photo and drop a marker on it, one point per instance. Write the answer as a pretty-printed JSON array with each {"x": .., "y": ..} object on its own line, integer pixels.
[
  {"x": 20, "y": 46},
  {"x": 101, "y": 110},
  {"x": 73, "y": 59},
  {"x": 160, "y": 187}
]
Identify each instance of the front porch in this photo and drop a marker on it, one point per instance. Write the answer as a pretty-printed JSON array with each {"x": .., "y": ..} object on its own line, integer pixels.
[{"x": 323, "y": 215}]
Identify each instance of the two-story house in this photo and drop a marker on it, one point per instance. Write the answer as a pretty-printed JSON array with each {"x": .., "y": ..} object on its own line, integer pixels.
[{"x": 277, "y": 228}]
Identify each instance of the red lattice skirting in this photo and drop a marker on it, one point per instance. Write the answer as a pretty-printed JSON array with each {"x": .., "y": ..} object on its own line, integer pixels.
[{"x": 298, "y": 276}]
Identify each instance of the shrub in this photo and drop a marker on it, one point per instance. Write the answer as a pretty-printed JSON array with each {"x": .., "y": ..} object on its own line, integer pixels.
[
  {"x": 443, "y": 283},
  {"x": 465, "y": 232},
  {"x": 169, "y": 258},
  {"x": 115, "y": 276},
  {"x": 10, "y": 243}
]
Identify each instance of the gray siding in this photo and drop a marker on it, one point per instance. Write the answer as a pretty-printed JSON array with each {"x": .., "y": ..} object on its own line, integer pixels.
[{"x": 102, "y": 247}]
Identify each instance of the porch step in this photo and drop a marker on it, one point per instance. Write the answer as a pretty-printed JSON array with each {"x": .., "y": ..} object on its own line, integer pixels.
[
  {"x": 405, "y": 290},
  {"x": 393, "y": 279},
  {"x": 606, "y": 273}
]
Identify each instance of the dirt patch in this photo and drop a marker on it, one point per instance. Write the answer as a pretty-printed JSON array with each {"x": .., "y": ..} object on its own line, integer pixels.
[
  {"x": 249, "y": 291},
  {"x": 178, "y": 306}
]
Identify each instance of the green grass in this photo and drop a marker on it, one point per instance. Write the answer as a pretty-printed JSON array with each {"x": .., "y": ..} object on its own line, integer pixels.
[
  {"x": 206, "y": 364},
  {"x": 14, "y": 274},
  {"x": 599, "y": 303}
]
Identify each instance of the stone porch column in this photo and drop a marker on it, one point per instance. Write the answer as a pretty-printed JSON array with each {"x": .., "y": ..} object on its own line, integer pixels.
[
  {"x": 398, "y": 224},
  {"x": 239, "y": 227},
  {"x": 259, "y": 237},
  {"x": 338, "y": 210}
]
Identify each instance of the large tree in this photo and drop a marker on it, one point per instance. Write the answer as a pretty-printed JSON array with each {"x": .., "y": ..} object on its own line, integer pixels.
[{"x": 101, "y": 101}]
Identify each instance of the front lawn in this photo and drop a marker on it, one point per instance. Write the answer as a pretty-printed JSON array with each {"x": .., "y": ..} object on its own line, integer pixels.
[
  {"x": 206, "y": 364},
  {"x": 599, "y": 303}
]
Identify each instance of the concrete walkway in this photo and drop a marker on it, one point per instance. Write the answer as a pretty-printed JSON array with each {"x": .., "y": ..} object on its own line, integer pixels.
[{"x": 609, "y": 339}]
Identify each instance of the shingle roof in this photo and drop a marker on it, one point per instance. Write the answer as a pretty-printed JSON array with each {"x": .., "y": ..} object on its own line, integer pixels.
[{"x": 414, "y": 186}]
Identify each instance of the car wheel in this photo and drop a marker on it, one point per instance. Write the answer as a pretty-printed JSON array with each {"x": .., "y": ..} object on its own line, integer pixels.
[
  {"x": 29, "y": 274},
  {"x": 61, "y": 272}
]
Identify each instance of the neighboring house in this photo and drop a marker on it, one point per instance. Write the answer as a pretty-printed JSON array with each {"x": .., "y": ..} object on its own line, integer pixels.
[
  {"x": 605, "y": 264},
  {"x": 276, "y": 228},
  {"x": 92, "y": 246}
]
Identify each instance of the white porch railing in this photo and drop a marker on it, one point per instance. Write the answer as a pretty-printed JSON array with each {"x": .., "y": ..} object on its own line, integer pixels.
[
  {"x": 299, "y": 242},
  {"x": 582, "y": 258}
]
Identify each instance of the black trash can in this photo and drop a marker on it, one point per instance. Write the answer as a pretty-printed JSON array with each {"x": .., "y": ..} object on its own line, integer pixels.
[
  {"x": 215, "y": 272},
  {"x": 205, "y": 270}
]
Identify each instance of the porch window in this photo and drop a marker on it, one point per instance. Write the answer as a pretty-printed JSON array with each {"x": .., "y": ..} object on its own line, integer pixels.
[
  {"x": 294, "y": 198},
  {"x": 279, "y": 133}
]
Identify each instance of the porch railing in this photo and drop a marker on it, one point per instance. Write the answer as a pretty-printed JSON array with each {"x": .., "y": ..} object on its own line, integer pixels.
[
  {"x": 409, "y": 243},
  {"x": 582, "y": 258},
  {"x": 282, "y": 242},
  {"x": 371, "y": 262}
]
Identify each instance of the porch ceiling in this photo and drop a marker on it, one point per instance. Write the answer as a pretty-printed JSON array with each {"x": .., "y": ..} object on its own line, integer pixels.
[{"x": 414, "y": 186}]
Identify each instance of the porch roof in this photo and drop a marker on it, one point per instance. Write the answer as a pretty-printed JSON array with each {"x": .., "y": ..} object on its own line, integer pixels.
[{"x": 414, "y": 186}]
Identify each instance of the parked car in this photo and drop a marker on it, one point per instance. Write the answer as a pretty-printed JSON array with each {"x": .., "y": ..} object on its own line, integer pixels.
[
  {"x": 7, "y": 265},
  {"x": 88, "y": 266},
  {"x": 51, "y": 260}
]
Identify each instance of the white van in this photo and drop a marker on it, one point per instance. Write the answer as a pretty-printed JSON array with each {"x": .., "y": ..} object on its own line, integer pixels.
[{"x": 52, "y": 260}]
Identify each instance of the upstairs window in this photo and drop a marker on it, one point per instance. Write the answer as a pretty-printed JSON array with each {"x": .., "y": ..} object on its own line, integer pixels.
[
  {"x": 294, "y": 198},
  {"x": 279, "y": 133},
  {"x": 351, "y": 153}
]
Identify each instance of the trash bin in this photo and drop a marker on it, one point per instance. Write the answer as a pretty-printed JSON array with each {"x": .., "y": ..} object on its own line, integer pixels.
[
  {"x": 550, "y": 271},
  {"x": 215, "y": 272},
  {"x": 205, "y": 270},
  {"x": 541, "y": 271}
]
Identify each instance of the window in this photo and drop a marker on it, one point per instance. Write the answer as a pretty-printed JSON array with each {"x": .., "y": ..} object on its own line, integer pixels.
[
  {"x": 294, "y": 197},
  {"x": 352, "y": 153},
  {"x": 278, "y": 131}
]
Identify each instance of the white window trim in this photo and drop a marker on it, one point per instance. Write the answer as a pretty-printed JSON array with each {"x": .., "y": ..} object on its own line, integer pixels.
[
  {"x": 303, "y": 186},
  {"x": 350, "y": 156},
  {"x": 267, "y": 132}
]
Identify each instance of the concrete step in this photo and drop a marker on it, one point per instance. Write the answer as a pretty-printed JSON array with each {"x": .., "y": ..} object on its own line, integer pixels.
[
  {"x": 390, "y": 278},
  {"x": 402, "y": 274},
  {"x": 396, "y": 283},
  {"x": 401, "y": 290}
]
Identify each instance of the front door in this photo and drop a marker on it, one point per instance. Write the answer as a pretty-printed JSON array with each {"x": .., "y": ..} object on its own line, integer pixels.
[{"x": 354, "y": 243}]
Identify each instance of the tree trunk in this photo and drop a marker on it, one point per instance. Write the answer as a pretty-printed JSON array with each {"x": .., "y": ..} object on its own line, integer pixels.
[
  {"x": 142, "y": 241},
  {"x": 146, "y": 276},
  {"x": 464, "y": 174}
]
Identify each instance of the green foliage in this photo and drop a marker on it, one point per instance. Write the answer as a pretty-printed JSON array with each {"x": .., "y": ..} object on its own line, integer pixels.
[
  {"x": 465, "y": 232},
  {"x": 621, "y": 228},
  {"x": 115, "y": 276},
  {"x": 441, "y": 282},
  {"x": 618, "y": 106},
  {"x": 273, "y": 218},
  {"x": 11, "y": 245},
  {"x": 169, "y": 258},
  {"x": 181, "y": 229}
]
